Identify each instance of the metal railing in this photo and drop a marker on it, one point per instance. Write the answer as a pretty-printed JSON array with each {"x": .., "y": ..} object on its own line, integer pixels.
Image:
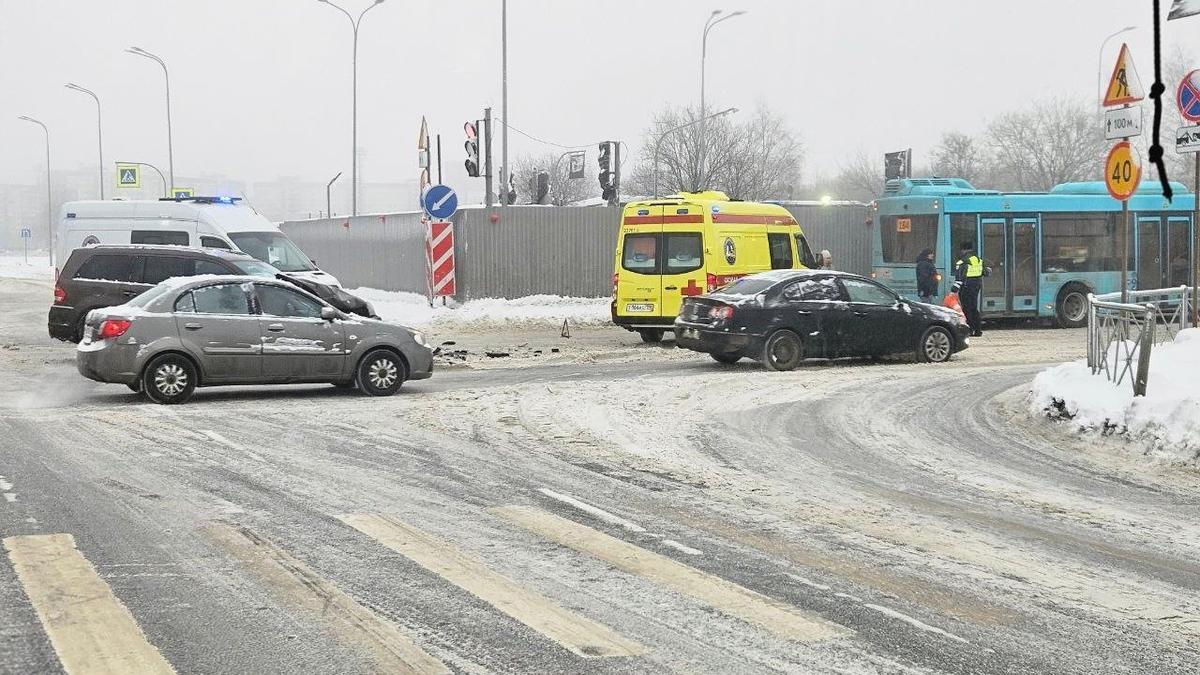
[{"x": 1121, "y": 335}]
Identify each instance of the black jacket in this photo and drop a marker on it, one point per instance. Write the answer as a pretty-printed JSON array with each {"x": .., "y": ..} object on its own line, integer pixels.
[{"x": 926, "y": 277}]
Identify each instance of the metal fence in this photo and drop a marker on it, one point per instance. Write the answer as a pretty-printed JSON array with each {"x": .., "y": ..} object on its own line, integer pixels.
[
  {"x": 531, "y": 250},
  {"x": 1121, "y": 335}
]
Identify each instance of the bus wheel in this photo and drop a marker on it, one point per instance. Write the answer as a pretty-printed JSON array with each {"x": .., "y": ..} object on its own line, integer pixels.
[
  {"x": 651, "y": 335},
  {"x": 1071, "y": 309}
]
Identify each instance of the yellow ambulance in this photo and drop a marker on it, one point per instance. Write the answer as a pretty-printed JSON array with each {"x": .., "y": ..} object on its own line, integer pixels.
[{"x": 693, "y": 243}]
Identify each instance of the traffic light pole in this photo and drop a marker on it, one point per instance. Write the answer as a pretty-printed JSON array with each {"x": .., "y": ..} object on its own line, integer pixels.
[
  {"x": 439, "y": 144},
  {"x": 487, "y": 157},
  {"x": 616, "y": 173}
]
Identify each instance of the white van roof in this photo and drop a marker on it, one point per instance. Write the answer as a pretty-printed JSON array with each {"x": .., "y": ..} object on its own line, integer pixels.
[{"x": 225, "y": 217}]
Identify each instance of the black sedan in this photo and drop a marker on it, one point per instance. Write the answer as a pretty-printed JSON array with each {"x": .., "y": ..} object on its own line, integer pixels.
[{"x": 785, "y": 316}]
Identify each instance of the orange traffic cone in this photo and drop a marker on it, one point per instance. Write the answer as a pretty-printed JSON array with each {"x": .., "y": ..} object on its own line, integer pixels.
[{"x": 951, "y": 300}]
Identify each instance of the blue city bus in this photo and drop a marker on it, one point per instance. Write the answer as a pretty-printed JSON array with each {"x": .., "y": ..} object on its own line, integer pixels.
[{"x": 1047, "y": 250}]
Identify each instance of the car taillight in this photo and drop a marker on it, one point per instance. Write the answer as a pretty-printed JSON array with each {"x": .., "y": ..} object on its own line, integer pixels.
[
  {"x": 616, "y": 278},
  {"x": 60, "y": 295},
  {"x": 721, "y": 313},
  {"x": 113, "y": 328},
  {"x": 710, "y": 280}
]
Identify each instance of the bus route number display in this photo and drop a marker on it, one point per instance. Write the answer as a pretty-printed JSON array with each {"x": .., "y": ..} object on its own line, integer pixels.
[{"x": 1122, "y": 171}]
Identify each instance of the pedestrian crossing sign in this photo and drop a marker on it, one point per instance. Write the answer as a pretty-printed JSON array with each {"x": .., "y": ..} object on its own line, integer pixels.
[
  {"x": 129, "y": 176},
  {"x": 182, "y": 193}
]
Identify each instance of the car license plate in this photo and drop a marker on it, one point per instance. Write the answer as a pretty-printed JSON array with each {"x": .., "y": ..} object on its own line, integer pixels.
[
  {"x": 639, "y": 307},
  {"x": 690, "y": 334}
]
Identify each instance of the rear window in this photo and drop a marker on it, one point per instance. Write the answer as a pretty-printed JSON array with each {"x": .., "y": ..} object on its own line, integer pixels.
[
  {"x": 106, "y": 268},
  {"x": 158, "y": 237},
  {"x": 781, "y": 251},
  {"x": 813, "y": 290},
  {"x": 748, "y": 286},
  {"x": 640, "y": 253},
  {"x": 148, "y": 297},
  {"x": 671, "y": 253},
  {"x": 255, "y": 268},
  {"x": 685, "y": 253}
]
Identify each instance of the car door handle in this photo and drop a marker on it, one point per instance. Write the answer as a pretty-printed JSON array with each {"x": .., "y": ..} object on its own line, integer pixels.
[
  {"x": 860, "y": 313},
  {"x": 803, "y": 312},
  {"x": 192, "y": 326},
  {"x": 670, "y": 288},
  {"x": 277, "y": 327},
  {"x": 129, "y": 294}
]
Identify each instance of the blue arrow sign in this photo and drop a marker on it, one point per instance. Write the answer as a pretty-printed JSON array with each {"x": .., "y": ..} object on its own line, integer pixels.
[{"x": 439, "y": 201}]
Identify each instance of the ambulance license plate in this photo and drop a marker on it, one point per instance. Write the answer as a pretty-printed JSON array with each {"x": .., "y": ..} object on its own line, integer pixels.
[{"x": 639, "y": 307}]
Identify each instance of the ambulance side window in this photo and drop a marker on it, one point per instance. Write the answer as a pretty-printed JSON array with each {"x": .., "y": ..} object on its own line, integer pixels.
[
  {"x": 640, "y": 253},
  {"x": 781, "y": 251},
  {"x": 806, "y": 255},
  {"x": 685, "y": 253}
]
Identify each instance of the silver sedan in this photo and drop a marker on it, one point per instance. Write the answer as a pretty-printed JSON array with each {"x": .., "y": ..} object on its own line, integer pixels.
[{"x": 219, "y": 330}]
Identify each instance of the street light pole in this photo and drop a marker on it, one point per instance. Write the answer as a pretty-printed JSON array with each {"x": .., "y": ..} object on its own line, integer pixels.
[
  {"x": 328, "y": 200},
  {"x": 99, "y": 130},
  {"x": 49, "y": 199},
  {"x": 167, "y": 78},
  {"x": 1100, "y": 66},
  {"x": 672, "y": 130},
  {"x": 504, "y": 179},
  {"x": 354, "y": 24},
  {"x": 708, "y": 25}
]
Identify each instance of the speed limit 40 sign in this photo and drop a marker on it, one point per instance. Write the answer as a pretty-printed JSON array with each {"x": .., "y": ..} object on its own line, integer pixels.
[{"x": 1122, "y": 171}]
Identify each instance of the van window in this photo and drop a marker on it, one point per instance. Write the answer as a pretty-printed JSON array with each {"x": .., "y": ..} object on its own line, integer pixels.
[
  {"x": 214, "y": 242},
  {"x": 159, "y": 268},
  {"x": 221, "y": 299},
  {"x": 781, "y": 251},
  {"x": 158, "y": 237},
  {"x": 640, "y": 253},
  {"x": 685, "y": 252},
  {"x": 806, "y": 255},
  {"x": 107, "y": 268}
]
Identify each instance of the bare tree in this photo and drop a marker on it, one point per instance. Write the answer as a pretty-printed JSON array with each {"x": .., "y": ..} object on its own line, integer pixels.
[
  {"x": 563, "y": 189},
  {"x": 861, "y": 178},
  {"x": 1180, "y": 167},
  {"x": 958, "y": 155},
  {"x": 1052, "y": 142}
]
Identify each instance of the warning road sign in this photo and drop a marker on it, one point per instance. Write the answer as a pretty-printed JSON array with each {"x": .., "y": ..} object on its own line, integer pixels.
[
  {"x": 1124, "y": 86},
  {"x": 182, "y": 193},
  {"x": 1122, "y": 171},
  {"x": 129, "y": 176},
  {"x": 1187, "y": 96}
]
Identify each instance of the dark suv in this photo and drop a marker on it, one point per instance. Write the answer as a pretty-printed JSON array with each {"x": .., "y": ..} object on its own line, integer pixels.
[{"x": 104, "y": 276}]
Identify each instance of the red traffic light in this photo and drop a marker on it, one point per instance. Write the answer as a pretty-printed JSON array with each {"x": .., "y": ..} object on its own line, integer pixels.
[{"x": 469, "y": 128}]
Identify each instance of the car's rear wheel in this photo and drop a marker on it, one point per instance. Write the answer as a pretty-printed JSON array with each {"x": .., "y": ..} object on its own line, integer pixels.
[
  {"x": 726, "y": 358},
  {"x": 651, "y": 335},
  {"x": 170, "y": 378},
  {"x": 782, "y": 351},
  {"x": 936, "y": 345},
  {"x": 380, "y": 373},
  {"x": 1071, "y": 309}
]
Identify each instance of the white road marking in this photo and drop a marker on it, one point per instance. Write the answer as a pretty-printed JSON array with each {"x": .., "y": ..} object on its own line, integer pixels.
[
  {"x": 809, "y": 582},
  {"x": 912, "y": 621},
  {"x": 737, "y": 601},
  {"x": 681, "y": 547},
  {"x": 228, "y": 443},
  {"x": 90, "y": 629},
  {"x": 579, "y": 634},
  {"x": 10, "y": 497},
  {"x": 5, "y": 485},
  {"x": 593, "y": 510}
]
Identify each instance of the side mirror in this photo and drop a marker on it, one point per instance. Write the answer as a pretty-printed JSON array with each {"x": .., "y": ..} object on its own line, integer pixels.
[
  {"x": 825, "y": 258},
  {"x": 328, "y": 313}
]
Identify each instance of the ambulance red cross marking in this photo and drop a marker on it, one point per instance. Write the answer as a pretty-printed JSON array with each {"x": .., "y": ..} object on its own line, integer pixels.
[{"x": 691, "y": 288}]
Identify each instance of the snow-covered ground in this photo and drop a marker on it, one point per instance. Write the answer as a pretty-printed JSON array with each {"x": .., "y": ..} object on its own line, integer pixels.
[
  {"x": 1168, "y": 416},
  {"x": 413, "y": 309},
  {"x": 13, "y": 265}
]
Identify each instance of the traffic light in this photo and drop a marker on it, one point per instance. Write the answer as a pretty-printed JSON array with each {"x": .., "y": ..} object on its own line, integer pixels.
[
  {"x": 607, "y": 179},
  {"x": 472, "y": 146},
  {"x": 541, "y": 184}
]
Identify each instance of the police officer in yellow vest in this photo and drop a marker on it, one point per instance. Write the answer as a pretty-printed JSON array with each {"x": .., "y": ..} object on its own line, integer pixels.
[{"x": 969, "y": 271}]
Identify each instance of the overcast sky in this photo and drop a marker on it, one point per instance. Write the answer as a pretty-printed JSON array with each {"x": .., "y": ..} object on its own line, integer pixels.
[{"x": 261, "y": 88}]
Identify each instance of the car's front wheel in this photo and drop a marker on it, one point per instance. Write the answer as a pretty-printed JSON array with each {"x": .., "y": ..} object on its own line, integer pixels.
[
  {"x": 936, "y": 345},
  {"x": 380, "y": 373},
  {"x": 782, "y": 351},
  {"x": 170, "y": 378}
]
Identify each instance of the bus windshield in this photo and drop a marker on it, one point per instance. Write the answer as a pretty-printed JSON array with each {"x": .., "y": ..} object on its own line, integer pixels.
[{"x": 273, "y": 248}]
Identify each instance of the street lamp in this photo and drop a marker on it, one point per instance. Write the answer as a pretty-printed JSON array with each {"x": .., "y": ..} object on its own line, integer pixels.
[
  {"x": 1100, "y": 67},
  {"x": 668, "y": 132},
  {"x": 99, "y": 129},
  {"x": 703, "y": 57},
  {"x": 354, "y": 23},
  {"x": 170, "y": 150},
  {"x": 49, "y": 201},
  {"x": 328, "y": 199}
]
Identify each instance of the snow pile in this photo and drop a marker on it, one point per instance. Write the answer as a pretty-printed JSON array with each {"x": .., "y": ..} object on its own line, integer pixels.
[
  {"x": 1168, "y": 416},
  {"x": 13, "y": 265},
  {"x": 412, "y": 309}
]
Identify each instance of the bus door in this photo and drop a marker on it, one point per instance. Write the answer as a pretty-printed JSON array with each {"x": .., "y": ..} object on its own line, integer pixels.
[
  {"x": 1009, "y": 247},
  {"x": 1163, "y": 252}
]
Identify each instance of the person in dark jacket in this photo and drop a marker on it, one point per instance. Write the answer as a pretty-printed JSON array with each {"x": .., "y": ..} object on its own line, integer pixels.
[{"x": 927, "y": 277}]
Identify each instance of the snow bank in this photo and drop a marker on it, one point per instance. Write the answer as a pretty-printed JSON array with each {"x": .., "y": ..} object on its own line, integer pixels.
[
  {"x": 13, "y": 265},
  {"x": 413, "y": 309},
  {"x": 1168, "y": 416}
]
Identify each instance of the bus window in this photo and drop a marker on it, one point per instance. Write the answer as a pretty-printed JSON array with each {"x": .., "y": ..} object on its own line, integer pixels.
[
  {"x": 962, "y": 229},
  {"x": 781, "y": 251},
  {"x": 1080, "y": 242},
  {"x": 904, "y": 237}
]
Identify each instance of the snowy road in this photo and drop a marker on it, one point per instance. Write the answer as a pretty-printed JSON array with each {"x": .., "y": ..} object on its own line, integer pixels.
[{"x": 618, "y": 508}]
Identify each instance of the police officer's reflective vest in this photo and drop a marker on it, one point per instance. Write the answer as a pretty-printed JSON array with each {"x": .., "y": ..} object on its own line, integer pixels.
[{"x": 973, "y": 267}]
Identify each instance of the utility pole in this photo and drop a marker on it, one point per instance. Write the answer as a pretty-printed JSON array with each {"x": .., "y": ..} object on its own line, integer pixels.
[
  {"x": 439, "y": 144},
  {"x": 487, "y": 158}
]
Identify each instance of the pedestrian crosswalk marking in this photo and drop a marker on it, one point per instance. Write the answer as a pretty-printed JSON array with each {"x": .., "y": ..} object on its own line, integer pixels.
[
  {"x": 725, "y": 596},
  {"x": 394, "y": 652},
  {"x": 577, "y": 633},
  {"x": 90, "y": 629}
]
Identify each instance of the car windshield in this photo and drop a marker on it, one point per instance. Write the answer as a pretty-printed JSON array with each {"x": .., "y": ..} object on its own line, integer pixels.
[
  {"x": 255, "y": 268},
  {"x": 747, "y": 286},
  {"x": 273, "y": 248}
]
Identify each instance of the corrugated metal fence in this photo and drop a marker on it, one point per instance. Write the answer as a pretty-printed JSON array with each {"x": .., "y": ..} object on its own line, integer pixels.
[{"x": 533, "y": 249}]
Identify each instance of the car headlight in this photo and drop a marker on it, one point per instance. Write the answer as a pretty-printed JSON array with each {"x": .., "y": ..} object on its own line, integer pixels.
[{"x": 419, "y": 338}]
